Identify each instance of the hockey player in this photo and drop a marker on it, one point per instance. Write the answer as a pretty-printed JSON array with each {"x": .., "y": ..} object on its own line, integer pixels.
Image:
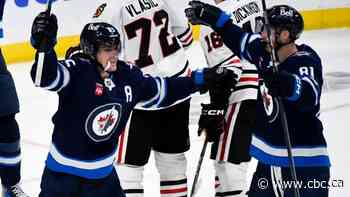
[
  {"x": 97, "y": 93},
  {"x": 10, "y": 152},
  {"x": 154, "y": 35},
  {"x": 231, "y": 151},
  {"x": 298, "y": 82}
]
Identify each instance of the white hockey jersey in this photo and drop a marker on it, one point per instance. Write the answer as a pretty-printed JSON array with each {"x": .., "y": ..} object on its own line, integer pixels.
[
  {"x": 153, "y": 33},
  {"x": 244, "y": 13}
]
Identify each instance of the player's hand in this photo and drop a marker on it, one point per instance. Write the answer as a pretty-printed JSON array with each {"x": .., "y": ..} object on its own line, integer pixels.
[
  {"x": 282, "y": 84},
  {"x": 218, "y": 79},
  {"x": 212, "y": 121},
  {"x": 44, "y": 32},
  {"x": 205, "y": 14}
]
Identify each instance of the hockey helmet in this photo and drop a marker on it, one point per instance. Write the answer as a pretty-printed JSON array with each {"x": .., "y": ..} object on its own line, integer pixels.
[
  {"x": 96, "y": 35},
  {"x": 288, "y": 18}
]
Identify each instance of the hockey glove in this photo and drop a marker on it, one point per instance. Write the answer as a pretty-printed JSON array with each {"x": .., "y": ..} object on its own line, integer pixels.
[
  {"x": 44, "y": 32},
  {"x": 206, "y": 14},
  {"x": 220, "y": 97},
  {"x": 214, "y": 78},
  {"x": 212, "y": 121},
  {"x": 282, "y": 84}
]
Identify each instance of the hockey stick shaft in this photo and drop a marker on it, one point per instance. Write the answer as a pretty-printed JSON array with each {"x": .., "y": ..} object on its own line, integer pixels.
[
  {"x": 284, "y": 121},
  {"x": 41, "y": 55},
  {"x": 199, "y": 165}
]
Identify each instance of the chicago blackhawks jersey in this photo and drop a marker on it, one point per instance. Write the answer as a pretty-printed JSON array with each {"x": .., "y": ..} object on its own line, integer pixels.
[
  {"x": 153, "y": 33},
  {"x": 245, "y": 14}
]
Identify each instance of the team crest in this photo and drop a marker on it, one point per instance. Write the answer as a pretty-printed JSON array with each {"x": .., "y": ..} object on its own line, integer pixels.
[
  {"x": 99, "y": 10},
  {"x": 103, "y": 121}
]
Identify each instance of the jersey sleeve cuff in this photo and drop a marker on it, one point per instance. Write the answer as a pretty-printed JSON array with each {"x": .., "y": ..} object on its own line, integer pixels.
[{"x": 222, "y": 19}]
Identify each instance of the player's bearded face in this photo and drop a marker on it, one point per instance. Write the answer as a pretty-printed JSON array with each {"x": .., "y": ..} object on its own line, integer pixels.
[
  {"x": 108, "y": 57},
  {"x": 265, "y": 38}
]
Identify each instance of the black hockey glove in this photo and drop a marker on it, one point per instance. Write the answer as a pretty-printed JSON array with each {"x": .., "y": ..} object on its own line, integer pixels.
[
  {"x": 44, "y": 32},
  {"x": 212, "y": 121},
  {"x": 220, "y": 97},
  {"x": 282, "y": 84},
  {"x": 216, "y": 78},
  {"x": 205, "y": 14},
  {"x": 212, "y": 118}
]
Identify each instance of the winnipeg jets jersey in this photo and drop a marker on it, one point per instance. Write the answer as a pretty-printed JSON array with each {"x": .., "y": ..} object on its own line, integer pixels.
[
  {"x": 92, "y": 112},
  {"x": 153, "y": 33},
  {"x": 302, "y": 109},
  {"x": 309, "y": 147},
  {"x": 244, "y": 13}
]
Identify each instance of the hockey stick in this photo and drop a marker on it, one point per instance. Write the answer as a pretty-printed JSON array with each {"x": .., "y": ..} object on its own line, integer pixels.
[
  {"x": 199, "y": 165},
  {"x": 41, "y": 55},
  {"x": 281, "y": 106}
]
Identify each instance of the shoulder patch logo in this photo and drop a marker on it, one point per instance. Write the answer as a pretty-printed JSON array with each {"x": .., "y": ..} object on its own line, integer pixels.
[
  {"x": 99, "y": 10},
  {"x": 99, "y": 89},
  {"x": 103, "y": 121}
]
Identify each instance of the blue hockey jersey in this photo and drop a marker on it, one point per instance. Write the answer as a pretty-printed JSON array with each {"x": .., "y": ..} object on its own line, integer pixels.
[
  {"x": 92, "y": 112},
  {"x": 2, "y": 5},
  {"x": 302, "y": 108}
]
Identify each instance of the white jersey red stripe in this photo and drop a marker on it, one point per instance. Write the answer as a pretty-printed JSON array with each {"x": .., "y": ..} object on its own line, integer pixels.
[
  {"x": 217, "y": 54},
  {"x": 187, "y": 37},
  {"x": 174, "y": 188},
  {"x": 122, "y": 143},
  {"x": 225, "y": 138},
  {"x": 174, "y": 192}
]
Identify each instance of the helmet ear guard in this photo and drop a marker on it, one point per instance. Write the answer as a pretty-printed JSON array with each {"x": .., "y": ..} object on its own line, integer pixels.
[{"x": 96, "y": 35}]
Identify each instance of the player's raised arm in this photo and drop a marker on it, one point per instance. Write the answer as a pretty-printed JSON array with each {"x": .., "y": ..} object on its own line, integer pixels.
[
  {"x": 55, "y": 74},
  {"x": 43, "y": 38},
  {"x": 246, "y": 45}
]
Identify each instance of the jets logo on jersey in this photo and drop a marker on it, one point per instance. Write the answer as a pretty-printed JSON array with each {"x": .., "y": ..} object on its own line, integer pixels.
[
  {"x": 103, "y": 121},
  {"x": 99, "y": 10},
  {"x": 270, "y": 104}
]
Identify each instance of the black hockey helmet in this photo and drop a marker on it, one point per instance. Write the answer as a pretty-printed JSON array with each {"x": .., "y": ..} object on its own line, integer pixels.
[
  {"x": 288, "y": 18},
  {"x": 96, "y": 35}
]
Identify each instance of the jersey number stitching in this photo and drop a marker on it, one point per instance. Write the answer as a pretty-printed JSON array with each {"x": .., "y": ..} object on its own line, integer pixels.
[{"x": 160, "y": 17}]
